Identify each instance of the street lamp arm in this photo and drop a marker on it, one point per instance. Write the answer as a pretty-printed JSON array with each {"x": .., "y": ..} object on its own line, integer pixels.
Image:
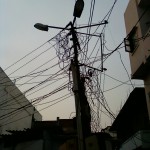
[
  {"x": 43, "y": 27},
  {"x": 92, "y": 25},
  {"x": 96, "y": 35},
  {"x": 59, "y": 28}
]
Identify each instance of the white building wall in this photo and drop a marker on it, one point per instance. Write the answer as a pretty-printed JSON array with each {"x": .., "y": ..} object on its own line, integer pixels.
[{"x": 13, "y": 113}]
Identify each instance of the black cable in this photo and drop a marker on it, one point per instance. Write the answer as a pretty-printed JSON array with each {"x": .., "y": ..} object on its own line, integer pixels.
[
  {"x": 35, "y": 100},
  {"x": 38, "y": 103},
  {"x": 53, "y": 100},
  {"x": 32, "y": 113},
  {"x": 108, "y": 14},
  {"x": 104, "y": 100},
  {"x": 27, "y": 81},
  {"x": 115, "y": 87},
  {"x": 14, "y": 103},
  {"x": 125, "y": 69},
  {"x": 41, "y": 88},
  {"x": 26, "y": 55},
  {"x": 34, "y": 50},
  {"x": 32, "y": 60},
  {"x": 42, "y": 104},
  {"x": 89, "y": 24},
  {"x": 40, "y": 72},
  {"x": 20, "y": 95},
  {"x": 104, "y": 106}
]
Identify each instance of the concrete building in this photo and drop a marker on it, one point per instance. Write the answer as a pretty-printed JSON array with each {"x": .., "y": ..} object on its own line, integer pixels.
[
  {"x": 137, "y": 42},
  {"x": 43, "y": 135},
  {"x": 16, "y": 112},
  {"x": 53, "y": 135},
  {"x": 132, "y": 123}
]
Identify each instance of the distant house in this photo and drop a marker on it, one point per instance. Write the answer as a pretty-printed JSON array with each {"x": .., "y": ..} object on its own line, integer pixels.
[
  {"x": 99, "y": 141},
  {"x": 44, "y": 135},
  {"x": 53, "y": 135},
  {"x": 132, "y": 123},
  {"x": 16, "y": 112}
]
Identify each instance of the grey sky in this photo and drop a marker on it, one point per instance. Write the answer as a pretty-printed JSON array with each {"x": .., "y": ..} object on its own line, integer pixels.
[{"x": 18, "y": 37}]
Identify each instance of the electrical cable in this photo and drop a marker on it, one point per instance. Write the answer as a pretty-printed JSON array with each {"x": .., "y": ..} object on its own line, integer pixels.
[
  {"x": 125, "y": 69},
  {"x": 32, "y": 59},
  {"x": 89, "y": 24},
  {"x": 35, "y": 100},
  {"x": 26, "y": 55},
  {"x": 19, "y": 96},
  {"x": 14, "y": 103},
  {"x": 14, "y": 115},
  {"x": 27, "y": 81},
  {"x": 104, "y": 106},
  {"x": 32, "y": 113},
  {"x": 115, "y": 87}
]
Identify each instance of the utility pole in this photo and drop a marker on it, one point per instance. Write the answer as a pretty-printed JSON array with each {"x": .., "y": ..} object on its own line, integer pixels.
[
  {"x": 82, "y": 107},
  {"x": 76, "y": 89}
]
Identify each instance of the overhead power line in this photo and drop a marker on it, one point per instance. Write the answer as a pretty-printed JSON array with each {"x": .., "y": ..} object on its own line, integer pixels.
[
  {"x": 20, "y": 95},
  {"x": 33, "y": 113},
  {"x": 34, "y": 101}
]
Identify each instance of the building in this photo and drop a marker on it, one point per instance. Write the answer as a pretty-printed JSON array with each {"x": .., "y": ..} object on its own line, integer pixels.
[
  {"x": 137, "y": 42},
  {"x": 43, "y": 135},
  {"x": 99, "y": 141},
  {"x": 132, "y": 123},
  {"x": 16, "y": 112}
]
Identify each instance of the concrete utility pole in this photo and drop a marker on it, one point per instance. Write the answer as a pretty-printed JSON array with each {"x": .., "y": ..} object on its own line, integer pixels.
[
  {"x": 83, "y": 115},
  {"x": 76, "y": 89}
]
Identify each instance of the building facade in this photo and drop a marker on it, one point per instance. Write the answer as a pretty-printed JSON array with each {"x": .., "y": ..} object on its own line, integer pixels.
[
  {"x": 132, "y": 123},
  {"x": 137, "y": 42},
  {"x": 16, "y": 112},
  {"x": 43, "y": 135}
]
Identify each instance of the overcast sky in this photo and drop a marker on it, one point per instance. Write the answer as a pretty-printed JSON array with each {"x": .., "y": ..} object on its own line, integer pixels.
[{"x": 18, "y": 37}]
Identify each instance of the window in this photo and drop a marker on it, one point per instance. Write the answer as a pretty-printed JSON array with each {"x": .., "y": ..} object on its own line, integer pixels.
[{"x": 131, "y": 42}]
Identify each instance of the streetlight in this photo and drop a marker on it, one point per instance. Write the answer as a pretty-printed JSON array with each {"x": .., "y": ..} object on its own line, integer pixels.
[
  {"x": 40, "y": 26},
  {"x": 78, "y": 8},
  {"x": 44, "y": 27},
  {"x": 76, "y": 80},
  {"x": 78, "y": 92},
  {"x": 78, "y": 86}
]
